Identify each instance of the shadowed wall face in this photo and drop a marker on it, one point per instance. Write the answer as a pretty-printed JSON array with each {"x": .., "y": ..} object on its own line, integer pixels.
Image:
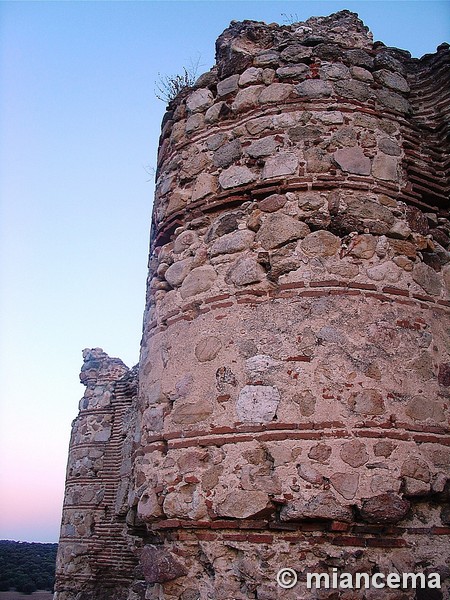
[{"x": 295, "y": 371}]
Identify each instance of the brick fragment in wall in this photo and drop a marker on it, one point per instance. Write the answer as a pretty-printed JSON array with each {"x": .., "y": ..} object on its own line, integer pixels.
[{"x": 294, "y": 372}]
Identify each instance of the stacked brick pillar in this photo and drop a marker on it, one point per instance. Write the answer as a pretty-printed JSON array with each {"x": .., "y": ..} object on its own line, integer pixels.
[{"x": 94, "y": 557}]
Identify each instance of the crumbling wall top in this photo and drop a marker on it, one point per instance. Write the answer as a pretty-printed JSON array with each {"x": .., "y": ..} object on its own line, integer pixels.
[{"x": 100, "y": 368}]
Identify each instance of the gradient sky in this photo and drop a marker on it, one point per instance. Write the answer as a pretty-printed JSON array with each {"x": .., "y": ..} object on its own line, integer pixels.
[{"x": 79, "y": 126}]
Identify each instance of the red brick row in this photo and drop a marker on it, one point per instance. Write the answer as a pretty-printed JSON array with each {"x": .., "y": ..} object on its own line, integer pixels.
[{"x": 253, "y": 297}]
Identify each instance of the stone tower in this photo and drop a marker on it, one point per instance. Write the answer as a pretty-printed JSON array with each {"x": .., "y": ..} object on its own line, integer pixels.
[{"x": 294, "y": 379}]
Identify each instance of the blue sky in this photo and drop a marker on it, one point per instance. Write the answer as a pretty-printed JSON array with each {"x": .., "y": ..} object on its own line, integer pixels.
[{"x": 79, "y": 126}]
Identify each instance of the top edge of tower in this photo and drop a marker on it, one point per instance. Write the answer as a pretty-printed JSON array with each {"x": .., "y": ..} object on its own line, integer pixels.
[
  {"x": 343, "y": 27},
  {"x": 248, "y": 43},
  {"x": 243, "y": 41}
]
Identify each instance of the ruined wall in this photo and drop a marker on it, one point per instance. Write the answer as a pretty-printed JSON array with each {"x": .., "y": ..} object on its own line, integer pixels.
[
  {"x": 295, "y": 362},
  {"x": 95, "y": 555}
]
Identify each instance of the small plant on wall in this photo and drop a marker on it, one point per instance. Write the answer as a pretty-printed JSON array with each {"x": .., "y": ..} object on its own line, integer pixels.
[{"x": 169, "y": 86}]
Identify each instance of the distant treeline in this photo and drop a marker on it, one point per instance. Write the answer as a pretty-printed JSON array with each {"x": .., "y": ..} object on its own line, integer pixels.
[{"x": 27, "y": 567}]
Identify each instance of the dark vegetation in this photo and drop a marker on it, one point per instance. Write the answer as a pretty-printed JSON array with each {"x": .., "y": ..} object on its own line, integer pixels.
[{"x": 27, "y": 567}]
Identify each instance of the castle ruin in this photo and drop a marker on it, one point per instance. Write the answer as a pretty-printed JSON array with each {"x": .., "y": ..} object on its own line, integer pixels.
[{"x": 291, "y": 404}]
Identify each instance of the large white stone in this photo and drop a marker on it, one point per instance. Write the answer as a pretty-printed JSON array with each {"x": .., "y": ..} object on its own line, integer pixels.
[{"x": 257, "y": 403}]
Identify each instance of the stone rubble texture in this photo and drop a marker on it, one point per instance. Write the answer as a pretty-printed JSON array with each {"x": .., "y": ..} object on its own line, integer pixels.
[{"x": 291, "y": 404}]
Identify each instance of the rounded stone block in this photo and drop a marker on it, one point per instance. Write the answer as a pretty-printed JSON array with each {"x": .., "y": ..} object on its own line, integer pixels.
[{"x": 198, "y": 280}]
